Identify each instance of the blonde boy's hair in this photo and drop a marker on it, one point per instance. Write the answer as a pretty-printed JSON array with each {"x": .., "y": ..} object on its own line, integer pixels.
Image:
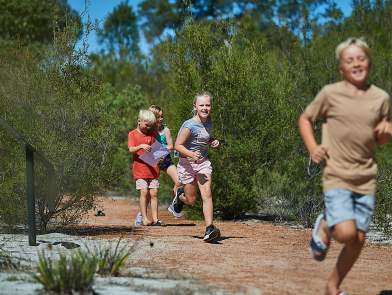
[
  {"x": 155, "y": 109},
  {"x": 147, "y": 116},
  {"x": 360, "y": 42}
]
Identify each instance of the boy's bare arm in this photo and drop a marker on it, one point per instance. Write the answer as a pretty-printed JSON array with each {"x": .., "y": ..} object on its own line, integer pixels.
[
  {"x": 317, "y": 152},
  {"x": 134, "y": 149},
  {"x": 383, "y": 131}
]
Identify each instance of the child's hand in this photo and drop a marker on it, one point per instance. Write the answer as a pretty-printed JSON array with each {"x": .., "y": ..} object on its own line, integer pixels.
[
  {"x": 383, "y": 132},
  {"x": 145, "y": 147},
  {"x": 319, "y": 153},
  {"x": 215, "y": 143},
  {"x": 196, "y": 155}
]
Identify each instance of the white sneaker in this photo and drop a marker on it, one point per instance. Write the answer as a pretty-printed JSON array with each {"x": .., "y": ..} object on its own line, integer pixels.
[{"x": 139, "y": 219}]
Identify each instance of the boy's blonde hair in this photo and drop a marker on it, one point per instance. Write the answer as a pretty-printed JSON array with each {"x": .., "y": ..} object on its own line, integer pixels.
[
  {"x": 155, "y": 109},
  {"x": 147, "y": 116},
  {"x": 360, "y": 42}
]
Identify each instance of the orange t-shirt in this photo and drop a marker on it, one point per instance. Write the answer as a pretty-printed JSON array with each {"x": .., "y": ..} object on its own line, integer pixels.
[{"x": 140, "y": 169}]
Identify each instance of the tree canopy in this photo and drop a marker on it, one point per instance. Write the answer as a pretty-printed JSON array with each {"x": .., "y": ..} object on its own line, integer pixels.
[{"x": 34, "y": 20}]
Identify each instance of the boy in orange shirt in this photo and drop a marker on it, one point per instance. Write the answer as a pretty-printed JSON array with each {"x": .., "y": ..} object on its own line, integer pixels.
[{"x": 146, "y": 176}]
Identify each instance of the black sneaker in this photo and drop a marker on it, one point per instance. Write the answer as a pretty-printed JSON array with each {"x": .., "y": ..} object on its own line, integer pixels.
[
  {"x": 158, "y": 223},
  {"x": 176, "y": 206},
  {"x": 177, "y": 203},
  {"x": 212, "y": 233}
]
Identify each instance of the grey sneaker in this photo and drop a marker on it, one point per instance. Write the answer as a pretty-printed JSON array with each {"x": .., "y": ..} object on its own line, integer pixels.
[{"x": 212, "y": 233}]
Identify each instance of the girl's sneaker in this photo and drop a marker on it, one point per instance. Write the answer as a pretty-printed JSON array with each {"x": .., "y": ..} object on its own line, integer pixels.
[
  {"x": 176, "y": 206},
  {"x": 212, "y": 233},
  {"x": 139, "y": 219}
]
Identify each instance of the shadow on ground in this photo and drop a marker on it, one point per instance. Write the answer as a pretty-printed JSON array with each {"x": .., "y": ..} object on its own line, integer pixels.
[
  {"x": 99, "y": 230},
  {"x": 218, "y": 241},
  {"x": 180, "y": 224}
]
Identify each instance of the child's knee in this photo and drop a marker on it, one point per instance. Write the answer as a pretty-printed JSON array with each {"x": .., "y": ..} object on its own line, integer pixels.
[
  {"x": 206, "y": 196},
  {"x": 191, "y": 200},
  {"x": 345, "y": 233},
  {"x": 153, "y": 193},
  {"x": 143, "y": 192},
  {"x": 346, "y": 236}
]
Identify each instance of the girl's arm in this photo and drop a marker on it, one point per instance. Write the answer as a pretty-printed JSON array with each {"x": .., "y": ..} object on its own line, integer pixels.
[
  {"x": 317, "y": 152},
  {"x": 169, "y": 139},
  {"x": 179, "y": 145}
]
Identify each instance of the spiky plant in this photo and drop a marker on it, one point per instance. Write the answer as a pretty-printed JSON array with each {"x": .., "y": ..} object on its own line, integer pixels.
[
  {"x": 68, "y": 274},
  {"x": 111, "y": 258}
]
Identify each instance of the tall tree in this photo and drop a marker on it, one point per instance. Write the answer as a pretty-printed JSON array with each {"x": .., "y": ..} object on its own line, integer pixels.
[
  {"x": 160, "y": 15},
  {"x": 34, "y": 20},
  {"x": 120, "y": 35}
]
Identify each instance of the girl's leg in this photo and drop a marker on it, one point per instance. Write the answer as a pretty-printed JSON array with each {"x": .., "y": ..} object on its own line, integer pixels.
[
  {"x": 204, "y": 182},
  {"x": 190, "y": 193},
  {"x": 172, "y": 172},
  {"x": 345, "y": 232},
  {"x": 154, "y": 204},
  {"x": 143, "y": 203}
]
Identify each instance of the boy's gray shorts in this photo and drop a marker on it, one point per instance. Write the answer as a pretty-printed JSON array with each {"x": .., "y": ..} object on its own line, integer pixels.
[{"x": 344, "y": 204}]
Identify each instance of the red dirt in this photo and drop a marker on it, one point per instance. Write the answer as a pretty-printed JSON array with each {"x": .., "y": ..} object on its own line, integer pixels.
[{"x": 252, "y": 257}]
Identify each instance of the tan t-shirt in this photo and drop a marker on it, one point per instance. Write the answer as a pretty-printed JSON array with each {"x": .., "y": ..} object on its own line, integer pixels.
[{"x": 348, "y": 133}]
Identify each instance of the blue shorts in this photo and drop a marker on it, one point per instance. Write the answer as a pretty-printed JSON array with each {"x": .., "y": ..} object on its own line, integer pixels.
[
  {"x": 166, "y": 162},
  {"x": 343, "y": 204}
]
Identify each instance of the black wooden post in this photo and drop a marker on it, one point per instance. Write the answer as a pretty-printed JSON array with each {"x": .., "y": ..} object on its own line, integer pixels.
[{"x": 30, "y": 194}]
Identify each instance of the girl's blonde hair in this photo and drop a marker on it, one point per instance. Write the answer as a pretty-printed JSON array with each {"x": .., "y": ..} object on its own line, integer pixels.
[
  {"x": 155, "y": 109},
  {"x": 200, "y": 94},
  {"x": 147, "y": 116},
  {"x": 360, "y": 42}
]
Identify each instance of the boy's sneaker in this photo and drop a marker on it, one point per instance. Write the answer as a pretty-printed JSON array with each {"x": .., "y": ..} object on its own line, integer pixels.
[
  {"x": 139, "y": 219},
  {"x": 212, "y": 233},
  {"x": 176, "y": 206},
  {"x": 158, "y": 223}
]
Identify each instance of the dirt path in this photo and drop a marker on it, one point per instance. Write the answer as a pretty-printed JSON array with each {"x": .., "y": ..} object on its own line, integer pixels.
[{"x": 251, "y": 257}]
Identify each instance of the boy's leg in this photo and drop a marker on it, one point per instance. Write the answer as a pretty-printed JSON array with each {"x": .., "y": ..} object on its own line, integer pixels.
[
  {"x": 351, "y": 232},
  {"x": 154, "y": 204},
  {"x": 143, "y": 202},
  {"x": 353, "y": 240}
]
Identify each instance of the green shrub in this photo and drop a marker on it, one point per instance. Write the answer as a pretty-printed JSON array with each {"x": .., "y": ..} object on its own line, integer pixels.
[
  {"x": 7, "y": 262},
  {"x": 111, "y": 258},
  {"x": 47, "y": 95},
  {"x": 256, "y": 103},
  {"x": 70, "y": 273}
]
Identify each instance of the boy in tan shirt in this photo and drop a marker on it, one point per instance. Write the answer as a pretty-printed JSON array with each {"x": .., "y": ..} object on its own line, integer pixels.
[{"x": 356, "y": 119}]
